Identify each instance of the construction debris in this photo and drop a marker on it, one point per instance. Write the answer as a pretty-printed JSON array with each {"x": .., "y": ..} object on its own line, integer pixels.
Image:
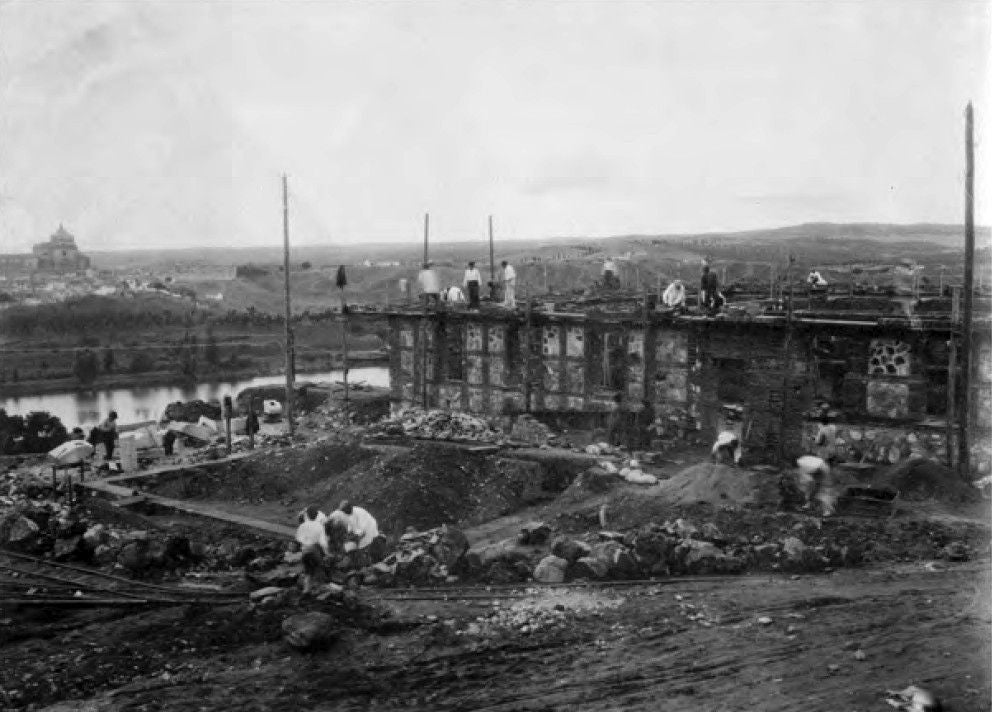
[{"x": 438, "y": 425}]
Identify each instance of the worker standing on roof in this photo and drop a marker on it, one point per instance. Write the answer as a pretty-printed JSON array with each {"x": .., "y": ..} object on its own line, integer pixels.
[
  {"x": 471, "y": 282},
  {"x": 429, "y": 284},
  {"x": 509, "y": 286},
  {"x": 674, "y": 296},
  {"x": 709, "y": 288},
  {"x": 815, "y": 280}
]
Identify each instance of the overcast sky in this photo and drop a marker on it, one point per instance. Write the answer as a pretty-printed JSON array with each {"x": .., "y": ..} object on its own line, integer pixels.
[{"x": 146, "y": 124}]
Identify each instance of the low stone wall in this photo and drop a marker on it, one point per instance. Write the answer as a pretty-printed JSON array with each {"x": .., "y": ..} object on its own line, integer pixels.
[{"x": 862, "y": 443}]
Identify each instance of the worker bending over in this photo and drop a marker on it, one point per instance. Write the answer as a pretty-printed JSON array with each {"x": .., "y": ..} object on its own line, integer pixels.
[
  {"x": 313, "y": 543},
  {"x": 813, "y": 479},
  {"x": 726, "y": 448},
  {"x": 674, "y": 296}
]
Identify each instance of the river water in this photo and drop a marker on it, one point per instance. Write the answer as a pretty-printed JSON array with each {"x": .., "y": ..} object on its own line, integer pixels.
[{"x": 133, "y": 405}]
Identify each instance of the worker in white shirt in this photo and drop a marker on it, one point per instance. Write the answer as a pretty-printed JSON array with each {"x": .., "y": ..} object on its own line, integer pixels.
[
  {"x": 360, "y": 526},
  {"x": 727, "y": 447},
  {"x": 314, "y": 545},
  {"x": 453, "y": 295},
  {"x": 310, "y": 534},
  {"x": 674, "y": 295},
  {"x": 471, "y": 282},
  {"x": 430, "y": 286},
  {"x": 813, "y": 478},
  {"x": 509, "y": 286},
  {"x": 816, "y": 280}
]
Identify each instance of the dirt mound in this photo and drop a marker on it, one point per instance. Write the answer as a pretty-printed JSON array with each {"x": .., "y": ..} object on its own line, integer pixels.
[
  {"x": 268, "y": 476},
  {"x": 432, "y": 485},
  {"x": 925, "y": 479},
  {"x": 717, "y": 484}
]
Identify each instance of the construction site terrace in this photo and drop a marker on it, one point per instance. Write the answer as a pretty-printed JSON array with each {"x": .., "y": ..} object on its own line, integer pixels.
[{"x": 543, "y": 546}]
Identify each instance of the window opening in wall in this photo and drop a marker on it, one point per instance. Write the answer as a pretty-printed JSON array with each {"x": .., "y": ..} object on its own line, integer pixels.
[
  {"x": 615, "y": 361},
  {"x": 937, "y": 392},
  {"x": 511, "y": 346},
  {"x": 607, "y": 360},
  {"x": 453, "y": 342},
  {"x": 732, "y": 379}
]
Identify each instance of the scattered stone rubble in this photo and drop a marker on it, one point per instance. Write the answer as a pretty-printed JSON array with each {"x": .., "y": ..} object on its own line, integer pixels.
[
  {"x": 528, "y": 429},
  {"x": 438, "y": 425}
]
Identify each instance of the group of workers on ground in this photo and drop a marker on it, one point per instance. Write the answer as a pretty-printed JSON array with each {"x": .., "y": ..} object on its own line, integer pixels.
[
  {"x": 346, "y": 539},
  {"x": 430, "y": 286},
  {"x": 812, "y": 470}
]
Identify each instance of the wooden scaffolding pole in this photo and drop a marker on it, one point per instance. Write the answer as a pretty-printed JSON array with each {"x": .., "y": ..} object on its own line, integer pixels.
[
  {"x": 964, "y": 403},
  {"x": 289, "y": 329}
]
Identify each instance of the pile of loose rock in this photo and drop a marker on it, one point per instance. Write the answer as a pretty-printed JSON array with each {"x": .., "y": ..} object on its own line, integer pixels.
[
  {"x": 420, "y": 558},
  {"x": 528, "y": 429},
  {"x": 671, "y": 548},
  {"x": 438, "y": 425}
]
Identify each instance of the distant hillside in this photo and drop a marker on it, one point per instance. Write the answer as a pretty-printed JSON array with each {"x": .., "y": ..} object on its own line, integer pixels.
[{"x": 913, "y": 238}]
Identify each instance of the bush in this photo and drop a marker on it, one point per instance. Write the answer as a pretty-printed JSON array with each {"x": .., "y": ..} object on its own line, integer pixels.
[{"x": 39, "y": 432}]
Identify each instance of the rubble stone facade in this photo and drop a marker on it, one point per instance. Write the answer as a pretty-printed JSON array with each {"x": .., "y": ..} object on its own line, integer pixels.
[{"x": 887, "y": 382}]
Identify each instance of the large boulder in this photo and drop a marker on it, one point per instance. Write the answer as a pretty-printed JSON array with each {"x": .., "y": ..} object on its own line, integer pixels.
[
  {"x": 654, "y": 550},
  {"x": 551, "y": 569},
  {"x": 506, "y": 550},
  {"x": 22, "y": 532},
  {"x": 67, "y": 548},
  {"x": 569, "y": 549},
  {"x": 704, "y": 557},
  {"x": 534, "y": 533},
  {"x": 588, "y": 567},
  {"x": 450, "y": 546},
  {"x": 134, "y": 556},
  {"x": 620, "y": 563},
  {"x": 309, "y": 631}
]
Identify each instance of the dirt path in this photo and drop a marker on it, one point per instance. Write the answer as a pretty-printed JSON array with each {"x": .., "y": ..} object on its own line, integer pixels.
[{"x": 674, "y": 645}]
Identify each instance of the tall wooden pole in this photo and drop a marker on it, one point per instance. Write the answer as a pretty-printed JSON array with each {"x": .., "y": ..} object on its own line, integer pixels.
[
  {"x": 423, "y": 330},
  {"x": 492, "y": 262},
  {"x": 289, "y": 330},
  {"x": 345, "y": 328},
  {"x": 964, "y": 411}
]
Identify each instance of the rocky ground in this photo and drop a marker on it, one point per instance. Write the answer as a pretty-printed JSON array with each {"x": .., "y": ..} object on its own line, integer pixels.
[
  {"x": 550, "y": 582},
  {"x": 821, "y": 642}
]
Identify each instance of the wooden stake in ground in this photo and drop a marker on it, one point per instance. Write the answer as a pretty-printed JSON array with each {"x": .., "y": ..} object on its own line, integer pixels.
[{"x": 289, "y": 331}]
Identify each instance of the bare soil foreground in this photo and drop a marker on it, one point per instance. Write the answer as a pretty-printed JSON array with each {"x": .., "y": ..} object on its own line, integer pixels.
[
  {"x": 819, "y": 642},
  {"x": 878, "y": 602}
]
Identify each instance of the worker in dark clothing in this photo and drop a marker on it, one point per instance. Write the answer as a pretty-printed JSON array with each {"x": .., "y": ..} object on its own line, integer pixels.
[
  {"x": 645, "y": 419},
  {"x": 106, "y": 433},
  {"x": 709, "y": 288}
]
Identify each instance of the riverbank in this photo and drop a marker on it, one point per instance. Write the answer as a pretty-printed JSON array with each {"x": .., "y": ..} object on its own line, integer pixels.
[{"x": 103, "y": 382}]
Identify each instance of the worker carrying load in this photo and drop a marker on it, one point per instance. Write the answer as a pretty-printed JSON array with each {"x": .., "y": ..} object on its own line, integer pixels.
[
  {"x": 815, "y": 280},
  {"x": 726, "y": 448},
  {"x": 813, "y": 480},
  {"x": 453, "y": 295},
  {"x": 674, "y": 296},
  {"x": 354, "y": 534},
  {"x": 313, "y": 543}
]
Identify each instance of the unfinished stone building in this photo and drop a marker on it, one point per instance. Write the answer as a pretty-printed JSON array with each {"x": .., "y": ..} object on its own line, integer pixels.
[{"x": 763, "y": 375}]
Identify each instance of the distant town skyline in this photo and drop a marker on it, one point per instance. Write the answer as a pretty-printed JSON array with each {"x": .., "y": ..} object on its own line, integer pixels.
[{"x": 167, "y": 124}]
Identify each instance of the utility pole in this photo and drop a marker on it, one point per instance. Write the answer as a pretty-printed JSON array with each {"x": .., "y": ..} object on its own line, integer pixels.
[
  {"x": 423, "y": 330},
  {"x": 492, "y": 262},
  {"x": 289, "y": 331},
  {"x": 964, "y": 411}
]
